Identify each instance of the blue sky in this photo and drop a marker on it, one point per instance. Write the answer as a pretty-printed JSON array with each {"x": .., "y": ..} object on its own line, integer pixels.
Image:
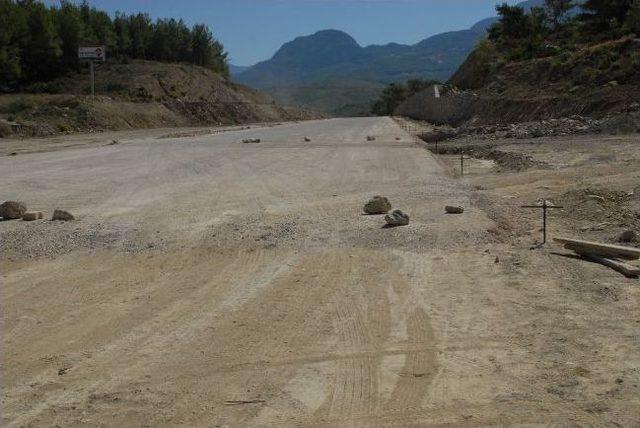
[{"x": 252, "y": 30}]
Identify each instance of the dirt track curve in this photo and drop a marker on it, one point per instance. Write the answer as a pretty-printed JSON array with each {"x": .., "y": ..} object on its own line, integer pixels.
[{"x": 208, "y": 282}]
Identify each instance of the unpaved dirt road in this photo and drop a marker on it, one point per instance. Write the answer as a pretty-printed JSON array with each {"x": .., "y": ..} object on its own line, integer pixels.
[{"x": 208, "y": 282}]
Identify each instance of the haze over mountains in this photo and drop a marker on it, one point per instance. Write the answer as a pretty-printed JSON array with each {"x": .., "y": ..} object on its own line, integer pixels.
[{"x": 330, "y": 71}]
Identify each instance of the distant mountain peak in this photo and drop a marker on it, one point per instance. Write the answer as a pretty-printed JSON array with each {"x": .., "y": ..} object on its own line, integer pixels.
[
  {"x": 320, "y": 49},
  {"x": 310, "y": 66}
]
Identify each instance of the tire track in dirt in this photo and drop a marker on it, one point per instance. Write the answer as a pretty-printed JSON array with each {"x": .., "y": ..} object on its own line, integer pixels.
[
  {"x": 185, "y": 321},
  {"x": 420, "y": 367},
  {"x": 362, "y": 324}
]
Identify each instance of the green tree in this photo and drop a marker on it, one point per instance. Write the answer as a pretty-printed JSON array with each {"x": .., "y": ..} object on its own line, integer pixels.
[
  {"x": 180, "y": 40},
  {"x": 513, "y": 21},
  {"x": 604, "y": 15},
  {"x": 102, "y": 29},
  {"x": 161, "y": 46},
  {"x": 41, "y": 46},
  {"x": 39, "y": 42},
  {"x": 633, "y": 17},
  {"x": 13, "y": 27},
  {"x": 122, "y": 37},
  {"x": 558, "y": 11},
  {"x": 537, "y": 33},
  {"x": 390, "y": 98},
  {"x": 206, "y": 51},
  {"x": 140, "y": 30},
  {"x": 70, "y": 28}
]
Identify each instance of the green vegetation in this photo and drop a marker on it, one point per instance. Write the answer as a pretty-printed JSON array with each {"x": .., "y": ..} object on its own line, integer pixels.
[
  {"x": 396, "y": 93},
  {"x": 39, "y": 43},
  {"x": 552, "y": 29}
]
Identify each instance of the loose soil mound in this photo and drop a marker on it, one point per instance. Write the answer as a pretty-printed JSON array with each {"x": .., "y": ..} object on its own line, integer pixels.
[
  {"x": 142, "y": 94},
  {"x": 600, "y": 205}
]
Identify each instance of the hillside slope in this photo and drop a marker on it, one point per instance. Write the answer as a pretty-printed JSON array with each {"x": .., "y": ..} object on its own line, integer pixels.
[
  {"x": 594, "y": 80},
  {"x": 598, "y": 81},
  {"x": 140, "y": 94}
]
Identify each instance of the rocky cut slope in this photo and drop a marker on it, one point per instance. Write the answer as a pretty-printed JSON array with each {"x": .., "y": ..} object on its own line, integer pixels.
[
  {"x": 595, "y": 80},
  {"x": 139, "y": 94}
]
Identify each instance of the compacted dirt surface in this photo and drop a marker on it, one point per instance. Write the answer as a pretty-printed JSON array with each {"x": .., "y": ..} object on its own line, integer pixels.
[{"x": 207, "y": 282}]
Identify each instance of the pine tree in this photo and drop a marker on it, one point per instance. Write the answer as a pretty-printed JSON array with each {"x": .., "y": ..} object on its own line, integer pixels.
[
  {"x": 633, "y": 17},
  {"x": 41, "y": 47},
  {"x": 558, "y": 10},
  {"x": 140, "y": 30},
  {"x": 122, "y": 36},
  {"x": 605, "y": 14},
  {"x": 70, "y": 30},
  {"x": 13, "y": 27}
]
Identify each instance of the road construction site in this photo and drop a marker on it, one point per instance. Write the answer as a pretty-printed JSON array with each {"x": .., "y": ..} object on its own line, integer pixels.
[{"x": 208, "y": 282}]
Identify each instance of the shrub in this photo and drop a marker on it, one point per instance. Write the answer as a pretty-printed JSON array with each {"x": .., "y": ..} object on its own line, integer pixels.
[
  {"x": 115, "y": 87},
  {"x": 140, "y": 94},
  {"x": 5, "y": 130},
  {"x": 18, "y": 106},
  {"x": 64, "y": 128}
]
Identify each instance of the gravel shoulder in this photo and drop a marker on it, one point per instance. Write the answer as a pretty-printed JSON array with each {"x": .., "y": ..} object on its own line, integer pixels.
[{"x": 209, "y": 282}]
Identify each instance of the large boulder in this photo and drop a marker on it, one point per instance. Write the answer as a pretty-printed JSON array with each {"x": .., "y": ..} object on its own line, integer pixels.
[
  {"x": 60, "y": 215},
  {"x": 33, "y": 216},
  {"x": 377, "y": 205},
  {"x": 449, "y": 209},
  {"x": 12, "y": 210},
  {"x": 397, "y": 218}
]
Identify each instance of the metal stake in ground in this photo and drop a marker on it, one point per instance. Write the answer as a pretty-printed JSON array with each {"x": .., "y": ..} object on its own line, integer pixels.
[
  {"x": 462, "y": 158},
  {"x": 545, "y": 206}
]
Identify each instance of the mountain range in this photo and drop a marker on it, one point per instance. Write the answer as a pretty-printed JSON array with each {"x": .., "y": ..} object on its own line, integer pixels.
[{"x": 330, "y": 71}]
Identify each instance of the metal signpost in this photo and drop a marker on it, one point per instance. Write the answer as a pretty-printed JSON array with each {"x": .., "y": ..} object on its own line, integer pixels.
[
  {"x": 92, "y": 54},
  {"x": 545, "y": 206}
]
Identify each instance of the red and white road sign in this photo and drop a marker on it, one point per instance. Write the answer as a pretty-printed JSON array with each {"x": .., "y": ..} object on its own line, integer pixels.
[{"x": 95, "y": 53}]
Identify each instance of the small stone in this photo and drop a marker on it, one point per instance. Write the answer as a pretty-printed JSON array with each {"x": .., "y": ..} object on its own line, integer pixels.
[
  {"x": 377, "y": 205},
  {"x": 628, "y": 236},
  {"x": 307, "y": 139},
  {"x": 453, "y": 210},
  {"x": 397, "y": 218},
  {"x": 32, "y": 215},
  {"x": 12, "y": 210},
  {"x": 60, "y": 215}
]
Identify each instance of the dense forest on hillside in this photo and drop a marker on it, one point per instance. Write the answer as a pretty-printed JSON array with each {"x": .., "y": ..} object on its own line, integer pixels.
[{"x": 39, "y": 43}]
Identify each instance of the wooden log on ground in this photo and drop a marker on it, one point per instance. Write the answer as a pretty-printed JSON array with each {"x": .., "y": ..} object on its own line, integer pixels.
[
  {"x": 624, "y": 268},
  {"x": 599, "y": 249}
]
